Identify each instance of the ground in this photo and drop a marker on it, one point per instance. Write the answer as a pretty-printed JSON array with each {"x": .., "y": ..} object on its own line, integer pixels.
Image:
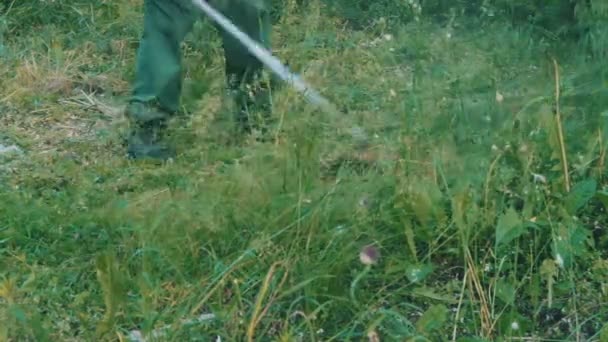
[{"x": 461, "y": 189}]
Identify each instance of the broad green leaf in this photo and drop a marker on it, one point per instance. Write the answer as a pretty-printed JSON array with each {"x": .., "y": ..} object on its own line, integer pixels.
[
  {"x": 579, "y": 236},
  {"x": 509, "y": 227},
  {"x": 428, "y": 292},
  {"x": 580, "y": 195},
  {"x": 513, "y": 324},
  {"x": 18, "y": 314},
  {"x": 418, "y": 272},
  {"x": 433, "y": 319},
  {"x": 396, "y": 325},
  {"x": 505, "y": 291},
  {"x": 570, "y": 242}
]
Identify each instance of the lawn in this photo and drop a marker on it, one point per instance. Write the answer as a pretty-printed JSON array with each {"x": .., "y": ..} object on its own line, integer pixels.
[{"x": 477, "y": 182}]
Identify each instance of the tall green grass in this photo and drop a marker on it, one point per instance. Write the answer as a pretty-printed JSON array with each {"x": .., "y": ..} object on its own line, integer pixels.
[{"x": 461, "y": 189}]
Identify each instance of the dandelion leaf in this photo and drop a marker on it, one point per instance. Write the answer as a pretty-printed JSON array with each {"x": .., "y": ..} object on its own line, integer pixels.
[
  {"x": 505, "y": 291},
  {"x": 433, "y": 319},
  {"x": 509, "y": 227},
  {"x": 580, "y": 195}
]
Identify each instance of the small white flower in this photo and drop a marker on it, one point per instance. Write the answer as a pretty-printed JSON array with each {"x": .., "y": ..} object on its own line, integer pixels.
[
  {"x": 538, "y": 178},
  {"x": 136, "y": 336},
  {"x": 515, "y": 325},
  {"x": 414, "y": 274},
  {"x": 499, "y": 97},
  {"x": 364, "y": 201},
  {"x": 523, "y": 148},
  {"x": 559, "y": 260}
]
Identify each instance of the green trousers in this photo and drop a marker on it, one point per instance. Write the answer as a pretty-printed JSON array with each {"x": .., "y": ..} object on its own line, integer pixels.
[{"x": 158, "y": 79}]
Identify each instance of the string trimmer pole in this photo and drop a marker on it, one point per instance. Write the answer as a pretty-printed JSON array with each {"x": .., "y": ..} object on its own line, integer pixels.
[{"x": 267, "y": 58}]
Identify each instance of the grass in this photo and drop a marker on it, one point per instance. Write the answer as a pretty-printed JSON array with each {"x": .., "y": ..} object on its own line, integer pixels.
[{"x": 461, "y": 190}]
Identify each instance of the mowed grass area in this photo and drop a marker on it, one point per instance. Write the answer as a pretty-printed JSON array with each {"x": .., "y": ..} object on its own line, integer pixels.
[{"x": 460, "y": 187}]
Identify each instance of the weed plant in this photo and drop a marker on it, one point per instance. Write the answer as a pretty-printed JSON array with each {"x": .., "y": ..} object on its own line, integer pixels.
[{"x": 476, "y": 211}]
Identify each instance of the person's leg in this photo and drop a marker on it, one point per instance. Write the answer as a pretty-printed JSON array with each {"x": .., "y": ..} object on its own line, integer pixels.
[
  {"x": 158, "y": 80},
  {"x": 243, "y": 70}
]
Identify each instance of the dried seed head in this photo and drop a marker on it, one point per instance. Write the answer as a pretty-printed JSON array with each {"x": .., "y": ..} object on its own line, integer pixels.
[
  {"x": 364, "y": 201},
  {"x": 369, "y": 255},
  {"x": 372, "y": 336}
]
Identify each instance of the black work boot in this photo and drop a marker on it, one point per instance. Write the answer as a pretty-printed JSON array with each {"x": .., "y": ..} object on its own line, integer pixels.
[
  {"x": 148, "y": 126},
  {"x": 145, "y": 142}
]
